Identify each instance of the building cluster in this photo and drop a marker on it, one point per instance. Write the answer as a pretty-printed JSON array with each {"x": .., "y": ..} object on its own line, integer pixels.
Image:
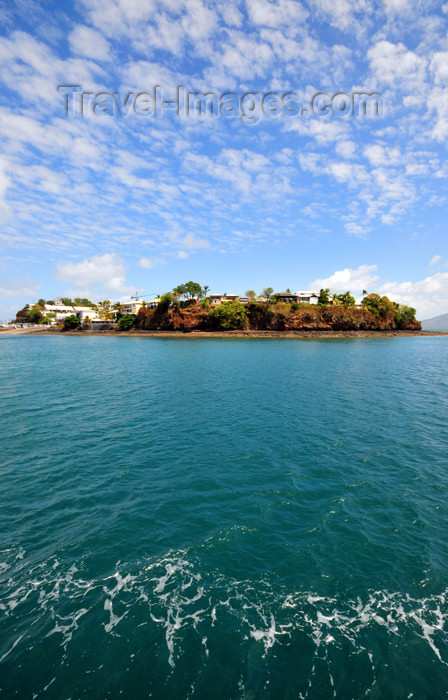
[{"x": 58, "y": 312}]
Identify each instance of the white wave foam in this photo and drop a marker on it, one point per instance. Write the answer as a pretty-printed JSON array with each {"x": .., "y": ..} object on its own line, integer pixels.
[
  {"x": 266, "y": 636},
  {"x": 177, "y": 598},
  {"x": 113, "y": 619}
]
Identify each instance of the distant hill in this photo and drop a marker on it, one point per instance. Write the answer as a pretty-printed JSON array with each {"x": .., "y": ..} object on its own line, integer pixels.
[{"x": 438, "y": 323}]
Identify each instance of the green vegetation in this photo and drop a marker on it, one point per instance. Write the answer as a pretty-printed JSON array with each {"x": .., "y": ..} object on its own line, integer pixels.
[
  {"x": 164, "y": 304},
  {"x": 77, "y": 301},
  {"x": 189, "y": 290},
  {"x": 229, "y": 316},
  {"x": 345, "y": 299},
  {"x": 126, "y": 322},
  {"x": 34, "y": 315},
  {"x": 71, "y": 322},
  {"x": 84, "y": 302},
  {"x": 48, "y": 318},
  {"x": 178, "y": 311},
  {"x": 404, "y": 316},
  {"x": 324, "y": 297}
]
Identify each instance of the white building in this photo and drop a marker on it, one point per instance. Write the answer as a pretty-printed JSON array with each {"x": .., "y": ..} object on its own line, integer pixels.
[
  {"x": 216, "y": 299},
  {"x": 154, "y": 303},
  {"x": 131, "y": 307},
  {"x": 61, "y": 312},
  {"x": 307, "y": 297}
]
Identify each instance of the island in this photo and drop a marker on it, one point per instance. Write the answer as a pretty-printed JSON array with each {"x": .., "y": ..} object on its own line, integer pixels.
[{"x": 190, "y": 309}]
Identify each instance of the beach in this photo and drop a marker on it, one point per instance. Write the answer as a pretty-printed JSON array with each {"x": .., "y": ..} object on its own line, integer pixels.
[{"x": 51, "y": 332}]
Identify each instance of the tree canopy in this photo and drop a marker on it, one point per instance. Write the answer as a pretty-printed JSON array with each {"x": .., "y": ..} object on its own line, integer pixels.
[
  {"x": 126, "y": 322},
  {"x": 34, "y": 315},
  {"x": 189, "y": 290},
  {"x": 324, "y": 297},
  {"x": 228, "y": 317},
  {"x": 71, "y": 322}
]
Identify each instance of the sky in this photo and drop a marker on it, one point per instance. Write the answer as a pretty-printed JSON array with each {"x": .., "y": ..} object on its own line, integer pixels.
[{"x": 131, "y": 196}]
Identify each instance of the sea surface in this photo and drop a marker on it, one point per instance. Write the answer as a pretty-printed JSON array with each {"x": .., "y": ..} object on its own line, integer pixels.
[{"x": 223, "y": 518}]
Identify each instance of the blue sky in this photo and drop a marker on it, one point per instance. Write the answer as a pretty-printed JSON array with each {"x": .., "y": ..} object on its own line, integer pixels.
[{"x": 104, "y": 205}]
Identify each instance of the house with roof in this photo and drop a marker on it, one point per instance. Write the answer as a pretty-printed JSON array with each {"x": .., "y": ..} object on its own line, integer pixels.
[
  {"x": 216, "y": 299},
  {"x": 61, "y": 311},
  {"x": 298, "y": 297}
]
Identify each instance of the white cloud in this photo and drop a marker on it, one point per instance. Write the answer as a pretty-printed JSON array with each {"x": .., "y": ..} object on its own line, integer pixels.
[
  {"x": 277, "y": 13},
  {"x": 115, "y": 17},
  {"x": 149, "y": 263},
  {"x": 341, "y": 13},
  {"x": 393, "y": 63},
  {"x": 85, "y": 41},
  {"x": 182, "y": 254},
  {"x": 4, "y": 184},
  {"x": 397, "y": 6},
  {"x": 379, "y": 155},
  {"x": 435, "y": 259},
  {"x": 439, "y": 67},
  {"x": 106, "y": 270},
  {"x": 363, "y": 277},
  {"x": 20, "y": 289},
  {"x": 192, "y": 242},
  {"x": 428, "y": 296}
]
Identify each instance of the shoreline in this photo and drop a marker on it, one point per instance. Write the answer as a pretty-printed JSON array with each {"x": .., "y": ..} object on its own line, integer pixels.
[{"x": 223, "y": 334}]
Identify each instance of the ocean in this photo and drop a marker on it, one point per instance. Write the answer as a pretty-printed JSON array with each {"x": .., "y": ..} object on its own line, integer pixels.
[{"x": 223, "y": 518}]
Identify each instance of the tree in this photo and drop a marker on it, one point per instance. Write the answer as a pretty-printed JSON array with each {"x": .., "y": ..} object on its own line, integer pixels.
[
  {"x": 379, "y": 306},
  {"x": 126, "y": 322},
  {"x": 346, "y": 299},
  {"x": 189, "y": 290},
  {"x": 164, "y": 304},
  {"x": 228, "y": 317},
  {"x": 41, "y": 303},
  {"x": 324, "y": 297},
  {"x": 251, "y": 294},
  {"x": 106, "y": 304},
  {"x": 404, "y": 316},
  {"x": 34, "y": 315},
  {"x": 71, "y": 322},
  {"x": 67, "y": 301},
  {"x": 267, "y": 291},
  {"x": 82, "y": 301},
  {"x": 205, "y": 290}
]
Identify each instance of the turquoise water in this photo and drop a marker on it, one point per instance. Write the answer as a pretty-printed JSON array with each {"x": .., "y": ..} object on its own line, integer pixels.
[{"x": 223, "y": 518}]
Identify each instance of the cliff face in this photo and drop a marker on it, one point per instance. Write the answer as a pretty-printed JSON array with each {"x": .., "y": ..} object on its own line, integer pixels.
[{"x": 270, "y": 317}]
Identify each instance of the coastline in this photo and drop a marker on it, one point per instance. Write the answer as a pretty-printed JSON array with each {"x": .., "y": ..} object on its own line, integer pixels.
[{"x": 223, "y": 334}]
